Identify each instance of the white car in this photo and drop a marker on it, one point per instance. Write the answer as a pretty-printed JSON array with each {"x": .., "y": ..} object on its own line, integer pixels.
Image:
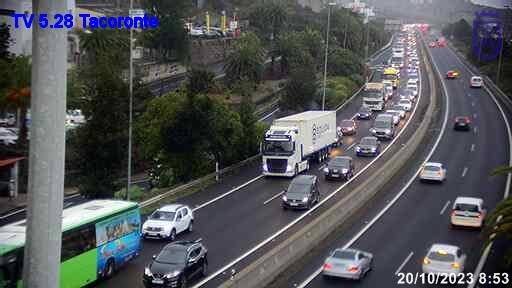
[
  {"x": 75, "y": 116},
  {"x": 443, "y": 258},
  {"x": 468, "y": 211},
  {"x": 433, "y": 171},
  {"x": 168, "y": 221},
  {"x": 8, "y": 136},
  {"x": 406, "y": 104},
  {"x": 413, "y": 87},
  {"x": 412, "y": 81},
  {"x": 476, "y": 82}
]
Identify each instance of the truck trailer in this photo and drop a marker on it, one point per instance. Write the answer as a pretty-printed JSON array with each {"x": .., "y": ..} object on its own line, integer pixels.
[{"x": 293, "y": 141}]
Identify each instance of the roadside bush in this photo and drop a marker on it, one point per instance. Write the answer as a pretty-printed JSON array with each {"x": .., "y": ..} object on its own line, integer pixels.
[{"x": 135, "y": 193}]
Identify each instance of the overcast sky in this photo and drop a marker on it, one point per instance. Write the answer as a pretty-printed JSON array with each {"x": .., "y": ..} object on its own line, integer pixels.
[{"x": 493, "y": 3}]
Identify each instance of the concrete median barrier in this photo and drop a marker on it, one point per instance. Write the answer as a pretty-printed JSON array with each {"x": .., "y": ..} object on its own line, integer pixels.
[{"x": 262, "y": 271}]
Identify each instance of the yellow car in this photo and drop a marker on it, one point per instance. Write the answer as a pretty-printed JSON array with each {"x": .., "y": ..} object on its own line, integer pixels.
[{"x": 452, "y": 74}]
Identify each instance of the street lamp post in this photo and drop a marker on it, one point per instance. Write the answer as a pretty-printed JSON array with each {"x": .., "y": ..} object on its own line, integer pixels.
[
  {"x": 498, "y": 72},
  {"x": 326, "y": 53},
  {"x": 130, "y": 117}
]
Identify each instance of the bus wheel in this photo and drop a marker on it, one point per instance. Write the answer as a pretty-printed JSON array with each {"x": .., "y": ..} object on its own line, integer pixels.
[{"x": 109, "y": 269}]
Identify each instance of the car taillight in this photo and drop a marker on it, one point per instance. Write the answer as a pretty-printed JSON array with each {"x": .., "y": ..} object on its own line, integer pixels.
[
  {"x": 455, "y": 265},
  {"x": 479, "y": 215},
  {"x": 327, "y": 266},
  {"x": 426, "y": 261},
  {"x": 454, "y": 213},
  {"x": 352, "y": 269}
]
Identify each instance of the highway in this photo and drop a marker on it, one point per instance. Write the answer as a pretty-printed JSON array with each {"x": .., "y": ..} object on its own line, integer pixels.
[
  {"x": 420, "y": 217},
  {"x": 250, "y": 215}
]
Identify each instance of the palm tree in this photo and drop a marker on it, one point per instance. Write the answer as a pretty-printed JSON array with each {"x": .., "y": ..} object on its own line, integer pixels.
[
  {"x": 499, "y": 222},
  {"x": 245, "y": 62},
  {"x": 103, "y": 42}
]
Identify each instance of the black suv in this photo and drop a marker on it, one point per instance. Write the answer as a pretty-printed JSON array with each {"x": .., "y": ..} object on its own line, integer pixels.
[
  {"x": 340, "y": 167},
  {"x": 177, "y": 263},
  {"x": 302, "y": 193}
]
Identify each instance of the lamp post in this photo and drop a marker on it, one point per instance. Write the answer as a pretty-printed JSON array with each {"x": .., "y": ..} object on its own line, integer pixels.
[
  {"x": 326, "y": 52},
  {"x": 130, "y": 117},
  {"x": 498, "y": 72}
]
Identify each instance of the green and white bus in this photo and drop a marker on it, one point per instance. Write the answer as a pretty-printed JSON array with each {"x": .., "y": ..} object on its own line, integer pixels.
[{"x": 98, "y": 237}]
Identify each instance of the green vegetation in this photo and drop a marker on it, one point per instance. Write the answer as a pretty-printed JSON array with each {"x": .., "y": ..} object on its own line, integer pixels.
[
  {"x": 462, "y": 33},
  {"x": 495, "y": 229},
  {"x": 245, "y": 62}
]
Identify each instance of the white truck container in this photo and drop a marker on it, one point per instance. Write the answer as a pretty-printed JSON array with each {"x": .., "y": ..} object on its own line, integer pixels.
[
  {"x": 292, "y": 141},
  {"x": 373, "y": 96}
]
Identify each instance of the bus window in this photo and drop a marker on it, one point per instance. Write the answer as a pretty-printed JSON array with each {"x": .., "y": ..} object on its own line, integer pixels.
[{"x": 76, "y": 242}]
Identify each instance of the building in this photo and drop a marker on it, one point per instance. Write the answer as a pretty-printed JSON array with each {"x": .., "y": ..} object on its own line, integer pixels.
[{"x": 392, "y": 25}]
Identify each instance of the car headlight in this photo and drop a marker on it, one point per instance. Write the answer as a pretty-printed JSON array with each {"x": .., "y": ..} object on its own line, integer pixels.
[
  {"x": 358, "y": 149},
  {"x": 288, "y": 168},
  {"x": 374, "y": 149},
  {"x": 147, "y": 272},
  {"x": 305, "y": 199},
  {"x": 265, "y": 167},
  {"x": 372, "y": 130},
  {"x": 285, "y": 198},
  {"x": 387, "y": 131},
  {"x": 344, "y": 170},
  {"x": 326, "y": 170},
  {"x": 172, "y": 274}
]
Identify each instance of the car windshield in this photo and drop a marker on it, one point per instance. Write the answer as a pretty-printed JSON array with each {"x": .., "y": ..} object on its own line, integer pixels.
[
  {"x": 466, "y": 207},
  {"x": 408, "y": 92},
  {"x": 162, "y": 215},
  {"x": 364, "y": 110},
  {"x": 369, "y": 141},
  {"x": 298, "y": 189},
  {"x": 172, "y": 255},
  {"x": 390, "y": 77},
  {"x": 344, "y": 254},
  {"x": 404, "y": 102},
  {"x": 347, "y": 123},
  {"x": 339, "y": 162},
  {"x": 381, "y": 124},
  {"x": 432, "y": 168},
  {"x": 272, "y": 147},
  {"x": 397, "y": 108},
  {"x": 443, "y": 257}
]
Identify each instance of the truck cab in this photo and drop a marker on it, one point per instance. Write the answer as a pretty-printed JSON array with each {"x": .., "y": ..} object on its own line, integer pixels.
[{"x": 373, "y": 96}]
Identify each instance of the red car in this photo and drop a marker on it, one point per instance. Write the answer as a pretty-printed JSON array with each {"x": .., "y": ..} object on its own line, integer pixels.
[
  {"x": 432, "y": 45},
  {"x": 348, "y": 127},
  {"x": 452, "y": 74},
  {"x": 462, "y": 123}
]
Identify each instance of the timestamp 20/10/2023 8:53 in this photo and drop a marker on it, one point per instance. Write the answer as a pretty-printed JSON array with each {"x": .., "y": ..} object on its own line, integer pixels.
[{"x": 452, "y": 278}]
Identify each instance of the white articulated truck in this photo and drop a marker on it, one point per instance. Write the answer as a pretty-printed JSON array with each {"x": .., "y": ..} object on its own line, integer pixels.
[{"x": 292, "y": 141}]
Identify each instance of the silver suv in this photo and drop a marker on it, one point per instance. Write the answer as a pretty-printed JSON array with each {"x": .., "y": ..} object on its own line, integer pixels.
[{"x": 383, "y": 127}]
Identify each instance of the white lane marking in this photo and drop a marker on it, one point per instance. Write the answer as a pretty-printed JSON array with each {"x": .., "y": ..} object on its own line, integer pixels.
[
  {"x": 227, "y": 193},
  {"x": 351, "y": 146},
  {"x": 464, "y": 171},
  {"x": 475, "y": 129},
  {"x": 472, "y": 147},
  {"x": 403, "y": 263},
  {"x": 327, "y": 198},
  {"x": 473, "y": 103},
  {"x": 474, "y": 115},
  {"x": 402, "y": 191},
  {"x": 321, "y": 167},
  {"x": 268, "y": 115},
  {"x": 484, "y": 256},
  {"x": 444, "y": 207},
  {"x": 273, "y": 197}
]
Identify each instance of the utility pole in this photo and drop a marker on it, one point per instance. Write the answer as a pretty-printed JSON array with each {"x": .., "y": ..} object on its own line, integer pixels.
[
  {"x": 326, "y": 52},
  {"x": 367, "y": 37},
  {"x": 498, "y": 72},
  {"x": 46, "y": 151},
  {"x": 130, "y": 117}
]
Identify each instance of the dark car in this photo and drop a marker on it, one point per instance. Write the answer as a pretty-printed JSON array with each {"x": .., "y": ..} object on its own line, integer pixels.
[
  {"x": 369, "y": 146},
  {"x": 348, "y": 127},
  {"x": 462, "y": 123},
  {"x": 177, "y": 263},
  {"x": 364, "y": 113},
  {"x": 302, "y": 193},
  {"x": 340, "y": 167}
]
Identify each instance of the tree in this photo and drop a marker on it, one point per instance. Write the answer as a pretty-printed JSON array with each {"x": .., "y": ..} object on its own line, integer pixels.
[
  {"x": 269, "y": 17},
  {"x": 5, "y": 40},
  {"x": 170, "y": 38},
  {"x": 107, "y": 44},
  {"x": 200, "y": 81},
  {"x": 342, "y": 62},
  {"x": 500, "y": 229},
  {"x": 246, "y": 61},
  {"x": 301, "y": 87}
]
